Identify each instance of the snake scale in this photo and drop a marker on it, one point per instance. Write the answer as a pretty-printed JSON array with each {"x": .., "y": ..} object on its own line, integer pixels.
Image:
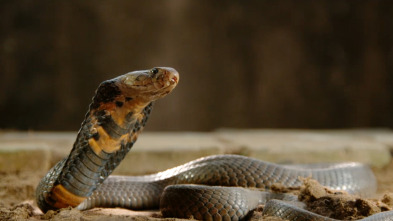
[{"x": 118, "y": 113}]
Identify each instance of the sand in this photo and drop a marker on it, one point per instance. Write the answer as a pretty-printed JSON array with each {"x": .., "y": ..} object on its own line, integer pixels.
[{"x": 17, "y": 201}]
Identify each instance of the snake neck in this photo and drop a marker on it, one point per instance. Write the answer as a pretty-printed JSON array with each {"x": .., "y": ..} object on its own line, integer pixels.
[
  {"x": 113, "y": 119},
  {"x": 110, "y": 129}
]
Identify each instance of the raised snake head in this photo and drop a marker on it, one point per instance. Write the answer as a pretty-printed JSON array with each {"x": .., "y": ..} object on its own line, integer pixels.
[{"x": 149, "y": 85}]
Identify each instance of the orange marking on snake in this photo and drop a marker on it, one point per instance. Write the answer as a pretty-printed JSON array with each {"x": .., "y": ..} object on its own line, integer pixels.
[
  {"x": 106, "y": 143},
  {"x": 63, "y": 198},
  {"x": 94, "y": 146},
  {"x": 119, "y": 115}
]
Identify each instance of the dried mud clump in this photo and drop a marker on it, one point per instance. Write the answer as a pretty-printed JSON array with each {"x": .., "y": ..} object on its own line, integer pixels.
[
  {"x": 338, "y": 204},
  {"x": 257, "y": 215}
]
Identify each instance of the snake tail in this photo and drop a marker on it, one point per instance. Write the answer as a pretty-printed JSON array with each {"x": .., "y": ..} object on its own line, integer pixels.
[
  {"x": 289, "y": 211},
  {"x": 117, "y": 114}
]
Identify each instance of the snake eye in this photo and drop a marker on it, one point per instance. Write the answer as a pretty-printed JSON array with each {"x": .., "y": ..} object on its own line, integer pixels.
[{"x": 154, "y": 70}]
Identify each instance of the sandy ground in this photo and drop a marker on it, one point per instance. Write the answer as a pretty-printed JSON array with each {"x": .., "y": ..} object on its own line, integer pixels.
[{"x": 17, "y": 201}]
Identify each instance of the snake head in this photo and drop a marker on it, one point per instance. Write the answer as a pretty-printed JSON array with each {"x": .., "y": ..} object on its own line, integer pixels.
[{"x": 150, "y": 84}]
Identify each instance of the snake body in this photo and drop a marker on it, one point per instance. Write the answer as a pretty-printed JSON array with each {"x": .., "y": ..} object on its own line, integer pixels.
[
  {"x": 225, "y": 170},
  {"x": 116, "y": 116}
]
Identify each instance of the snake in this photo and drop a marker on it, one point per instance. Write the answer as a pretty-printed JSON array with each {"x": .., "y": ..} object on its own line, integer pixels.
[{"x": 218, "y": 187}]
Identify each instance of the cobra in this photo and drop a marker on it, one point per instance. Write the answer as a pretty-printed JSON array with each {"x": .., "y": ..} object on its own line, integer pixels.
[{"x": 116, "y": 116}]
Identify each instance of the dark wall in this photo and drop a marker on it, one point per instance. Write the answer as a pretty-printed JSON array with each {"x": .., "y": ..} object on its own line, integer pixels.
[{"x": 303, "y": 64}]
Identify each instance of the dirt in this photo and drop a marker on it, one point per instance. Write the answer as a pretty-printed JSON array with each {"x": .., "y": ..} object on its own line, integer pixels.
[
  {"x": 17, "y": 201},
  {"x": 338, "y": 204}
]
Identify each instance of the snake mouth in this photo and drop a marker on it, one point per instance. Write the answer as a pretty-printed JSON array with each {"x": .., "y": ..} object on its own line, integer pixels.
[{"x": 164, "y": 78}]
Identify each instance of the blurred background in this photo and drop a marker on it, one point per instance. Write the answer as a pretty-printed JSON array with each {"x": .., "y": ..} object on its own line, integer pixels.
[{"x": 243, "y": 64}]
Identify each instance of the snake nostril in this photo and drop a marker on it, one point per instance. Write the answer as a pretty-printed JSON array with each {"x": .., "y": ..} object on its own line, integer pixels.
[{"x": 174, "y": 79}]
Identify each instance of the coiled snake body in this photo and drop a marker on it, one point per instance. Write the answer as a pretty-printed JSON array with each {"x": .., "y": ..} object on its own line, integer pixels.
[{"x": 117, "y": 115}]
